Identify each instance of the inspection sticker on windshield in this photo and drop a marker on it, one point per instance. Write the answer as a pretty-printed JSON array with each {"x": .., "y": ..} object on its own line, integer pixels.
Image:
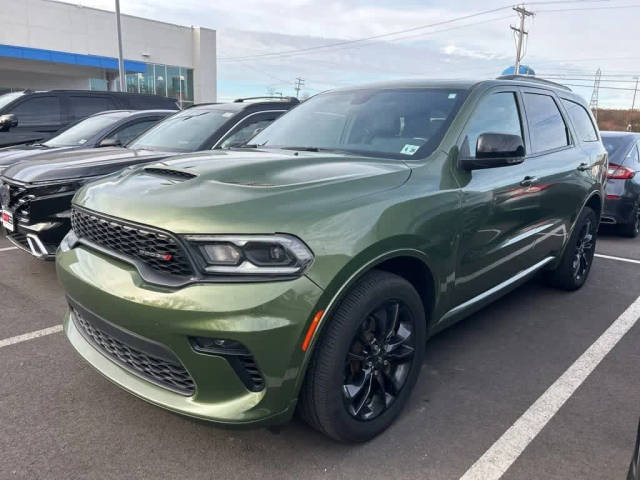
[
  {"x": 409, "y": 149},
  {"x": 452, "y": 96}
]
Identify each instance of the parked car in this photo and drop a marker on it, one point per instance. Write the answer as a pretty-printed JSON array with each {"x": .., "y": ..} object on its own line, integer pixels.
[
  {"x": 634, "y": 466},
  {"x": 308, "y": 269},
  {"x": 622, "y": 205},
  {"x": 36, "y": 195},
  {"x": 30, "y": 117},
  {"x": 104, "y": 129}
]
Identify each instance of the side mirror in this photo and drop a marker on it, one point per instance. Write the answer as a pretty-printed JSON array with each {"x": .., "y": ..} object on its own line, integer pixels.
[
  {"x": 109, "y": 142},
  {"x": 495, "y": 150},
  {"x": 7, "y": 122}
]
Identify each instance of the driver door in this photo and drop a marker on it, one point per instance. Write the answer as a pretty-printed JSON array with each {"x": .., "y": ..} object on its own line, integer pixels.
[{"x": 500, "y": 207}]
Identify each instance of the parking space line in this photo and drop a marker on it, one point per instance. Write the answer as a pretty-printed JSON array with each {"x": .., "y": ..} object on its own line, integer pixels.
[
  {"x": 620, "y": 259},
  {"x": 30, "y": 336},
  {"x": 6, "y": 249},
  {"x": 501, "y": 455}
]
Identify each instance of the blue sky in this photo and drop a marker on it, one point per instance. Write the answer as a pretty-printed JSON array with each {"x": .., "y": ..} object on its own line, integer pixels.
[{"x": 567, "y": 39}]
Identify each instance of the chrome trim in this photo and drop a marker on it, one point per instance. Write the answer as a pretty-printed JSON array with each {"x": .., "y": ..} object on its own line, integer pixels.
[
  {"x": 501, "y": 286},
  {"x": 37, "y": 247}
]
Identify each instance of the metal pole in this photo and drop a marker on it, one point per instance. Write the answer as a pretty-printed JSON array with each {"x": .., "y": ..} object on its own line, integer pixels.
[{"x": 120, "y": 60}]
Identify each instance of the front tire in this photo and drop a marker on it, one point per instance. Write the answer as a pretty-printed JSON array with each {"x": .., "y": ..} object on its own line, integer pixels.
[
  {"x": 577, "y": 259},
  {"x": 367, "y": 360}
]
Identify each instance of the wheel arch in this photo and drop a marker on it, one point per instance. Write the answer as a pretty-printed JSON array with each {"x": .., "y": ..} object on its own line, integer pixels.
[{"x": 410, "y": 264}]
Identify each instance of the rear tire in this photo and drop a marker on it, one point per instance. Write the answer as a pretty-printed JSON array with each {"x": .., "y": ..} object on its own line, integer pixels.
[
  {"x": 631, "y": 229},
  {"x": 367, "y": 360},
  {"x": 577, "y": 258}
]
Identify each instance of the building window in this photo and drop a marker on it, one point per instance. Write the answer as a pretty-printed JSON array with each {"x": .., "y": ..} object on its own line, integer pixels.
[{"x": 168, "y": 81}]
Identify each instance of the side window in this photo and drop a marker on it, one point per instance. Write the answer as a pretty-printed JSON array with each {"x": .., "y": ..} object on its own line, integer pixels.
[
  {"x": 38, "y": 111},
  {"x": 127, "y": 133},
  {"x": 496, "y": 113},
  {"x": 82, "y": 106},
  {"x": 248, "y": 129},
  {"x": 581, "y": 120},
  {"x": 546, "y": 125}
]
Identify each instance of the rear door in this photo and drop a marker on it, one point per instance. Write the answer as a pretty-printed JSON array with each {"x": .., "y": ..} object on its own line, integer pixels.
[
  {"x": 558, "y": 161},
  {"x": 39, "y": 117}
]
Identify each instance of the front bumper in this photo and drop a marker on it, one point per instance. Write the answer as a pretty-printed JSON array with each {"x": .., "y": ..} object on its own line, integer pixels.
[{"x": 269, "y": 319}]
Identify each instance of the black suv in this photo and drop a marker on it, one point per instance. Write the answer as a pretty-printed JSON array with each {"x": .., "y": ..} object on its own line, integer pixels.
[
  {"x": 36, "y": 194},
  {"x": 28, "y": 116}
]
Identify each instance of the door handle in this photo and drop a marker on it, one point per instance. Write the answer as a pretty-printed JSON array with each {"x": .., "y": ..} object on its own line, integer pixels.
[
  {"x": 584, "y": 167},
  {"x": 528, "y": 181}
]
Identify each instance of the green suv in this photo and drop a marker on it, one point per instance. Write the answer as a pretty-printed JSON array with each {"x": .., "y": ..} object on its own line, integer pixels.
[{"x": 306, "y": 270}]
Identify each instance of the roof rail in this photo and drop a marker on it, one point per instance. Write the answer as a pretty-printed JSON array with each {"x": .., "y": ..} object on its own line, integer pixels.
[
  {"x": 272, "y": 99},
  {"x": 533, "y": 79}
]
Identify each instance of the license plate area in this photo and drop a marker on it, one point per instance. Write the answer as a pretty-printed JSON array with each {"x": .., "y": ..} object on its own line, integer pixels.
[{"x": 7, "y": 220}]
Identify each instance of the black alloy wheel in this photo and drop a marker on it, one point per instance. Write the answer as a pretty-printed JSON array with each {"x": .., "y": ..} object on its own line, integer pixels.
[
  {"x": 367, "y": 359},
  {"x": 379, "y": 360},
  {"x": 584, "y": 251}
]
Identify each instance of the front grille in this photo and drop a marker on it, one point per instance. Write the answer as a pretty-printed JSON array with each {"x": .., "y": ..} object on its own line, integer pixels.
[
  {"x": 174, "y": 174},
  {"x": 16, "y": 198},
  {"x": 170, "y": 375},
  {"x": 160, "y": 252}
]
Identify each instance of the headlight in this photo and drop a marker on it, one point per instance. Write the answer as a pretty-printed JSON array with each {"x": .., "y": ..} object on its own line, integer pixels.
[
  {"x": 251, "y": 255},
  {"x": 69, "y": 241}
]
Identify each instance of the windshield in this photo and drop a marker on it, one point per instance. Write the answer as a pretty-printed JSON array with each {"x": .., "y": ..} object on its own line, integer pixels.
[
  {"x": 616, "y": 145},
  {"x": 82, "y": 131},
  {"x": 185, "y": 131},
  {"x": 7, "y": 98},
  {"x": 392, "y": 123}
]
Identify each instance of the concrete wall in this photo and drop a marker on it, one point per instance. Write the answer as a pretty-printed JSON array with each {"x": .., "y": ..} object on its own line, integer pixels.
[{"x": 54, "y": 25}]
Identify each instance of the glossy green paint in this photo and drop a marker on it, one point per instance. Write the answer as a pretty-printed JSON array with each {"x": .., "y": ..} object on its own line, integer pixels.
[{"x": 468, "y": 230}]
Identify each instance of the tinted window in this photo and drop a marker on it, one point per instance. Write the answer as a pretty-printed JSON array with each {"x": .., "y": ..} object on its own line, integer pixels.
[
  {"x": 129, "y": 132},
  {"x": 83, "y": 106},
  {"x": 546, "y": 126},
  {"x": 248, "y": 129},
  {"x": 37, "y": 111},
  {"x": 186, "y": 131},
  {"x": 581, "y": 120},
  {"x": 496, "y": 113},
  {"x": 82, "y": 131},
  {"x": 391, "y": 123}
]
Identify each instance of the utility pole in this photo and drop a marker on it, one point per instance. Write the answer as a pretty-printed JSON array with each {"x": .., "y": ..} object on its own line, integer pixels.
[
  {"x": 633, "y": 105},
  {"x": 593, "y": 104},
  {"x": 120, "y": 60},
  {"x": 521, "y": 33},
  {"x": 299, "y": 85}
]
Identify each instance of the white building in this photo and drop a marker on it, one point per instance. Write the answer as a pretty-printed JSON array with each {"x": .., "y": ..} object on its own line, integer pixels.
[{"x": 47, "y": 44}]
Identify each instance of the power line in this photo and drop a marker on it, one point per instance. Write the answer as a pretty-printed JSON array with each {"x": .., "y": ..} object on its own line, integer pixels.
[
  {"x": 390, "y": 34},
  {"x": 364, "y": 39}
]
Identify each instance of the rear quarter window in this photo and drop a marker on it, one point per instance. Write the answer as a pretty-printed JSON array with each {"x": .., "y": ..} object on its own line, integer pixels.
[{"x": 585, "y": 128}]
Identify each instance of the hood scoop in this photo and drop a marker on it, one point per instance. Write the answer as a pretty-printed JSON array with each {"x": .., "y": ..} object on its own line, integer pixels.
[{"x": 178, "y": 175}]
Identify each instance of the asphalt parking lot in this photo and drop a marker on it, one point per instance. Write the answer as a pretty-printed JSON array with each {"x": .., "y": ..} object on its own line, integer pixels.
[{"x": 62, "y": 420}]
